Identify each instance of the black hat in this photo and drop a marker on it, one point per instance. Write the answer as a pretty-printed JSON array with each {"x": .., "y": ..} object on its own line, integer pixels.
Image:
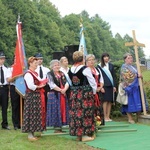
[
  {"x": 38, "y": 55},
  {"x": 2, "y": 55}
]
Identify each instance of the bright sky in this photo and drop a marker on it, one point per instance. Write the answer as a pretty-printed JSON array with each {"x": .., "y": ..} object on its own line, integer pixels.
[{"x": 123, "y": 15}]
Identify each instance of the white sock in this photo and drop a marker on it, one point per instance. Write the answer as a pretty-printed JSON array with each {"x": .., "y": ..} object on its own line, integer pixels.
[{"x": 30, "y": 135}]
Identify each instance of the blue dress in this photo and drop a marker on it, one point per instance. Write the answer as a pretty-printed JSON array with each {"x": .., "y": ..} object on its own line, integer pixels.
[
  {"x": 131, "y": 86},
  {"x": 57, "y": 103},
  {"x": 54, "y": 117}
]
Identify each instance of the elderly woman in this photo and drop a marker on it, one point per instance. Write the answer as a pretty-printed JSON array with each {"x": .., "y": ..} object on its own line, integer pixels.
[
  {"x": 34, "y": 106},
  {"x": 81, "y": 100},
  {"x": 57, "y": 105},
  {"x": 129, "y": 78},
  {"x": 90, "y": 62}
]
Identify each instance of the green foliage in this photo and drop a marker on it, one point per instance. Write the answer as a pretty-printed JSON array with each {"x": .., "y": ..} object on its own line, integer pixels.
[
  {"x": 146, "y": 75},
  {"x": 45, "y": 31},
  {"x": 146, "y": 84},
  {"x": 116, "y": 114}
]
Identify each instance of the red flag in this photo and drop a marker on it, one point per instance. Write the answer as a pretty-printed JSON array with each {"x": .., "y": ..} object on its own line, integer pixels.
[
  {"x": 20, "y": 63},
  {"x": 18, "y": 66}
]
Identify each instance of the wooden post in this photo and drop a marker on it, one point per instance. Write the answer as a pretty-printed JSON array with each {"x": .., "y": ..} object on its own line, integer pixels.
[
  {"x": 136, "y": 44},
  {"x": 21, "y": 113}
]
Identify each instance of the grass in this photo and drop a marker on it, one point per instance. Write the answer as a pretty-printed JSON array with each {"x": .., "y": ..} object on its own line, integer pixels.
[
  {"x": 16, "y": 140},
  {"x": 146, "y": 75}
]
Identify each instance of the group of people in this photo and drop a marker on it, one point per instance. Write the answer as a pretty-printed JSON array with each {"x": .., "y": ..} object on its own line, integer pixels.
[
  {"x": 76, "y": 96},
  {"x": 79, "y": 96}
]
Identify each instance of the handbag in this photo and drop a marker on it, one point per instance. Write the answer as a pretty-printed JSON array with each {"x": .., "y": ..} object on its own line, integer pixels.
[{"x": 122, "y": 97}]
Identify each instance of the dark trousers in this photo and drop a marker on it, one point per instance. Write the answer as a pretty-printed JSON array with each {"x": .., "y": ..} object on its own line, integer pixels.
[
  {"x": 4, "y": 104},
  {"x": 15, "y": 104}
]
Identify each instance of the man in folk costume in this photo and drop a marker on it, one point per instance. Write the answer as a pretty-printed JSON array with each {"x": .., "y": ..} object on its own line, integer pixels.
[
  {"x": 4, "y": 91},
  {"x": 42, "y": 73}
]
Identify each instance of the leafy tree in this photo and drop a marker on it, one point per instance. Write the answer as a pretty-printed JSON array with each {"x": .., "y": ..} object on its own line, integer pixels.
[{"x": 45, "y": 31}]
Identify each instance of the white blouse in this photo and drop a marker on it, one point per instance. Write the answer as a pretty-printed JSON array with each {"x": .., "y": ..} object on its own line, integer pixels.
[{"x": 30, "y": 81}]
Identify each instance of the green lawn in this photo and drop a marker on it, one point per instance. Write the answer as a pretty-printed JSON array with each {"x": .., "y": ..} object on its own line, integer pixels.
[
  {"x": 15, "y": 140},
  {"x": 146, "y": 75}
]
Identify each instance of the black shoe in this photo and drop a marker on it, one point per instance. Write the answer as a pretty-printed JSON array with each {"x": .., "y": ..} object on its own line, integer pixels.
[{"x": 6, "y": 128}]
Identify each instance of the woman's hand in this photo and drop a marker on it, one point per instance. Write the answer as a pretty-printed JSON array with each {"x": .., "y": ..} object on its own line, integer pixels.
[
  {"x": 63, "y": 91},
  {"x": 98, "y": 89},
  {"x": 102, "y": 90},
  {"x": 140, "y": 76},
  {"x": 114, "y": 89}
]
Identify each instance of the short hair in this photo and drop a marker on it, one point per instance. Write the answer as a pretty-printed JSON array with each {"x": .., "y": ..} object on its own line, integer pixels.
[
  {"x": 53, "y": 62},
  {"x": 89, "y": 56},
  {"x": 62, "y": 59},
  {"x": 31, "y": 59},
  {"x": 126, "y": 55},
  {"x": 78, "y": 56}
]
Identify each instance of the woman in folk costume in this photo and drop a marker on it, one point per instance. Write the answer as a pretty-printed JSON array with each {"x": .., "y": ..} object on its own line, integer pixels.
[
  {"x": 57, "y": 104},
  {"x": 65, "y": 69},
  {"x": 90, "y": 62},
  {"x": 34, "y": 104},
  {"x": 129, "y": 78},
  {"x": 107, "y": 70},
  {"x": 81, "y": 101}
]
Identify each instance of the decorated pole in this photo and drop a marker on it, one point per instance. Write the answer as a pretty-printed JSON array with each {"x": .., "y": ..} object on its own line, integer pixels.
[
  {"x": 136, "y": 44},
  {"x": 82, "y": 45}
]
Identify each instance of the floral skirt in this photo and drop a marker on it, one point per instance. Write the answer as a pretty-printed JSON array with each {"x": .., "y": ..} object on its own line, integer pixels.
[
  {"x": 81, "y": 113},
  {"x": 32, "y": 116}
]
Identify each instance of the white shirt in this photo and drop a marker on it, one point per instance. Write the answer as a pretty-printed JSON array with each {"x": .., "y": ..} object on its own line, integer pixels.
[
  {"x": 10, "y": 70},
  {"x": 64, "y": 70},
  {"x": 30, "y": 81},
  {"x": 51, "y": 83},
  {"x": 44, "y": 69},
  {"x": 106, "y": 66},
  {"x": 6, "y": 75},
  {"x": 101, "y": 76},
  {"x": 86, "y": 72},
  {"x": 66, "y": 74}
]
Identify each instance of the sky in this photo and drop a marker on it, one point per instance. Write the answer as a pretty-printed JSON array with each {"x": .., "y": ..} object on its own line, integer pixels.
[{"x": 123, "y": 16}]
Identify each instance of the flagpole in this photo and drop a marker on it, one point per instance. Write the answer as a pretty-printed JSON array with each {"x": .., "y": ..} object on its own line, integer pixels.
[{"x": 21, "y": 114}]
